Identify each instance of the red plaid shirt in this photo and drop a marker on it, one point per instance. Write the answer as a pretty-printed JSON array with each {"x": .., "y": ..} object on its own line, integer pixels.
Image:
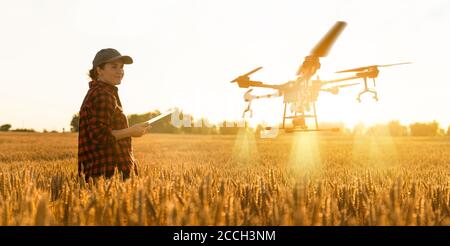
[{"x": 99, "y": 153}]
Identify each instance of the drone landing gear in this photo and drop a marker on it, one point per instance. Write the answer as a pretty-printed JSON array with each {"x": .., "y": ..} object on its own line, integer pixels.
[
  {"x": 299, "y": 122},
  {"x": 375, "y": 95},
  {"x": 247, "y": 110},
  {"x": 249, "y": 105},
  {"x": 366, "y": 89}
]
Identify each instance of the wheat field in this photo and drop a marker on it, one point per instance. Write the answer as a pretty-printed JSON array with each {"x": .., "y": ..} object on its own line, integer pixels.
[{"x": 297, "y": 179}]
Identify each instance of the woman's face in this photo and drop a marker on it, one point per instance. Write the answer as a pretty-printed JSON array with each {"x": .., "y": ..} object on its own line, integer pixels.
[{"x": 112, "y": 73}]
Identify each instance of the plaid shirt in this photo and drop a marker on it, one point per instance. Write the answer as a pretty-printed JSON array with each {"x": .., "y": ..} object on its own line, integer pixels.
[{"x": 99, "y": 153}]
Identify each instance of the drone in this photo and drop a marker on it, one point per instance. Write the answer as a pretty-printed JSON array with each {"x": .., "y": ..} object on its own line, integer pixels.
[{"x": 301, "y": 94}]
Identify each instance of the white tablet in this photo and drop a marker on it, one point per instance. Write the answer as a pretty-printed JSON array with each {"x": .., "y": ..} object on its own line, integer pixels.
[{"x": 159, "y": 117}]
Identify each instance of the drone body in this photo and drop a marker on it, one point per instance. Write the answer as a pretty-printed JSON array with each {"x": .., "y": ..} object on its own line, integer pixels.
[{"x": 302, "y": 93}]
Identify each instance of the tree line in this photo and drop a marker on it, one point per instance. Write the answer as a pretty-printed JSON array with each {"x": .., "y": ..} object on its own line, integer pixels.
[
  {"x": 189, "y": 124},
  {"x": 203, "y": 126},
  {"x": 394, "y": 128}
]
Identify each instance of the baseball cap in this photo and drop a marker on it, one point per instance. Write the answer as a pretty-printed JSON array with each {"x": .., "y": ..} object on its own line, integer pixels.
[{"x": 109, "y": 55}]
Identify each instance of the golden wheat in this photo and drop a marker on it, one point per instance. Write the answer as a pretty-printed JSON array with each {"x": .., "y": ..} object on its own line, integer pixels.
[{"x": 300, "y": 179}]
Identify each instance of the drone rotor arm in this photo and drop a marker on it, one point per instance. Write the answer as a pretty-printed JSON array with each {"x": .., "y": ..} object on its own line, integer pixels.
[
  {"x": 346, "y": 85},
  {"x": 395, "y": 64},
  {"x": 325, "y": 82},
  {"x": 358, "y": 69},
  {"x": 335, "y": 89}
]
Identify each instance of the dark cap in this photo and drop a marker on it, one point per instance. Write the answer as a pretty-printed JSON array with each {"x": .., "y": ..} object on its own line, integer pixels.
[{"x": 109, "y": 55}]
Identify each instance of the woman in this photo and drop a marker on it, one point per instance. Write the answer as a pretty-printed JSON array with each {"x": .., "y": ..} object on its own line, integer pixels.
[{"x": 104, "y": 142}]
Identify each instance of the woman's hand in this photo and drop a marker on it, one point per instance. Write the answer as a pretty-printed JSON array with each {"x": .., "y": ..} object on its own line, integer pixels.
[
  {"x": 134, "y": 131},
  {"x": 139, "y": 129}
]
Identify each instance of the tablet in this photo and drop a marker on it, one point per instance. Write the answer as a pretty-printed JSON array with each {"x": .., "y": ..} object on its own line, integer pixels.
[{"x": 160, "y": 117}]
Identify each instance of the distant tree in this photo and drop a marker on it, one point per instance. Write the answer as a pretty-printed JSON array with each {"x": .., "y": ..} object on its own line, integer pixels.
[
  {"x": 202, "y": 126},
  {"x": 424, "y": 129},
  {"x": 396, "y": 129},
  {"x": 5, "y": 127},
  {"x": 378, "y": 130},
  {"x": 214, "y": 130},
  {"x": 232, "y": 128},
  {"x": 134, "y": 119},
  {"x": 23, "y": 130},
  {"x": 75, "y": 123}
]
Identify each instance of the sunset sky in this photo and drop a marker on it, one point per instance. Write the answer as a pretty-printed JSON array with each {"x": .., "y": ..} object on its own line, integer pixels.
[{"x": 187, "y": 52}]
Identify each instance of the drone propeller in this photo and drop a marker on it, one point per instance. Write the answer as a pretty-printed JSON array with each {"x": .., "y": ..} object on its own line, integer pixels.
[
  {"x": 395, "y": 64},
  {"x": 360, "y": 69},
  {"x": 322, "y": 48},
  {"x": 246, "y": 75}
]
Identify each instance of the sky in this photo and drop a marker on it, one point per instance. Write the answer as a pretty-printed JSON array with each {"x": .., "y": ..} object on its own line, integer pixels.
[{"x": 187, "y": 52}]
